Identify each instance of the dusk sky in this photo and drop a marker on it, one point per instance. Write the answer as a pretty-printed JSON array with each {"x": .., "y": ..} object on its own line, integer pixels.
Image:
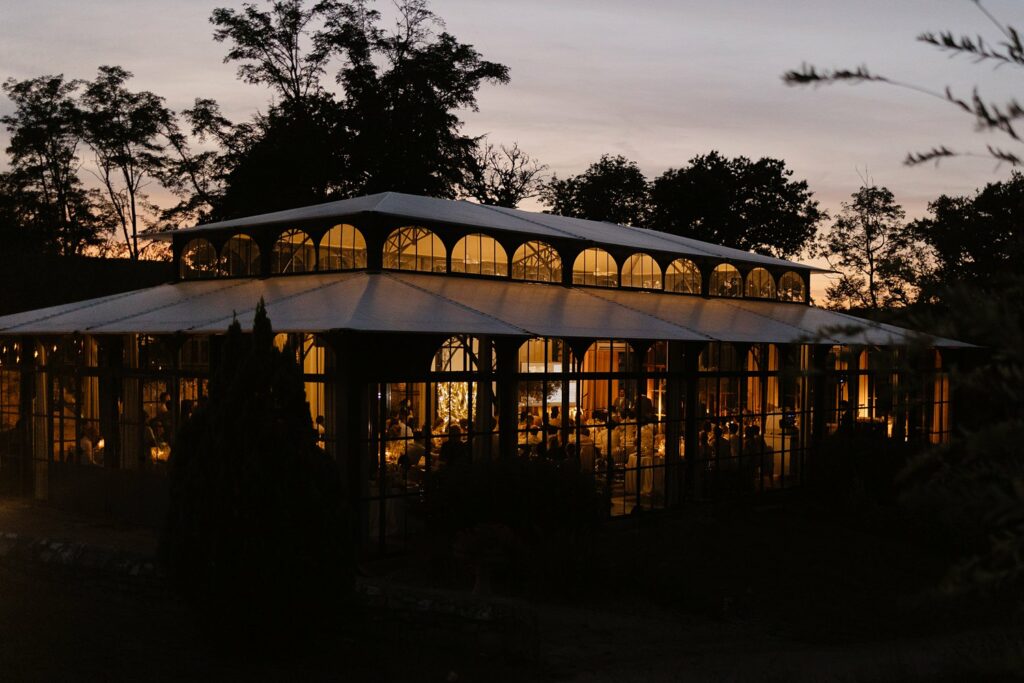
[{"x": 658, "y": 81}]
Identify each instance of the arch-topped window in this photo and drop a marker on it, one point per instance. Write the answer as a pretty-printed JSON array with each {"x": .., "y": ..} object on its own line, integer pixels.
[
  {"x": 543, "y": 354},
  {"x": 198, "y": 260},
  {"x": 537, "y": 262},
  {"x": 414, "y": 248},
  {"x": 595, "y": 267},
  {"x": 241, "y": 256},
  {"x": 480, "y": 255},
  {"x": 760, "y": 284},
  {"x": 725, "y": 281},
  {"x": 682, "y": 275},
  {"x": 342, "y": 248},
  {"x": 293, "y": 253},
  {"x": 791, "y": 287},
  {"x": 641, "y": 271}
]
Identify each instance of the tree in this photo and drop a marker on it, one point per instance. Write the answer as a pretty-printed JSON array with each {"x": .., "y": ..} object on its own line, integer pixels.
[
  {"x": 43, "y": 193},
  {"x": 872, "y": 249},
  {"x": 257, "y": 529},
  {"x": 403, "y": 91},
  {"x": 976, "y": 239},
  {"x": 739, "y": 203},
  {"x": 612, "y": 189},
  {"x": 504, "y": 176},
  {"x": 395, "y": 125},
  {"x": 270, "y": 49},
  {"x": 125, "y": 131}
]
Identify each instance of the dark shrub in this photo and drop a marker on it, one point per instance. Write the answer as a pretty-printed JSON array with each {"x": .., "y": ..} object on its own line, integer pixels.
[
  {"x": 550, "y": 509},
  {"x": 257, "y": 530}
]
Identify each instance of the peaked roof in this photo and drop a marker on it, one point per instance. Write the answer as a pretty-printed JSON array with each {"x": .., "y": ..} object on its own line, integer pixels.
[
  {"x": 405, "y": 303},
  {"x": 500, "y": 219}
]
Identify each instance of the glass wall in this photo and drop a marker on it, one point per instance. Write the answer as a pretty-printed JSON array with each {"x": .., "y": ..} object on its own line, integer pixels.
[
  {"x": 414, "y": 248},
  {"x": 342, "y": 247},
  {"x": 595, "y": 267},
  {"x": 682, "y": 275},
  {"x": 725, "y": 281},
  {"x": 641, "y": 271},
  {"x": 791, "y": 287},
  {"x": 240, "y": 256},
  {"x": 536, "y": 262},
  {"x": 199, "y": 260},
  {"x": 760, "y": 284},
  {"x": 480, "y": 255},
  {"x": 293, "y": 253}
]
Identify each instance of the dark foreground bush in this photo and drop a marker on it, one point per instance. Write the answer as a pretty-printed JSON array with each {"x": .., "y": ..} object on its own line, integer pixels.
[
  {"x": 534, "y": 521},
  {"x": 256, "y": 533},
  {"x": 856, "y": 468}
]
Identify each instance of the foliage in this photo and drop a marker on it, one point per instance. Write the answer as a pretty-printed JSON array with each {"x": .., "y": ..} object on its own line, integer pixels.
[
  {"x": 1006, "y": 49},
  {"x": 395, "y": 126},
  {"x": 612, "y": 189},
  {"x": 268, "y": 46},
  {"x": 739, "y": 203},
  {"x": 873, "y": 250},
  {"x": 974, "y": 486},
  {"x": 503, "y": 176},
  {"x": 257, "y": 530},
  {"x": 552, "y": 510},
  {"x": 975, "y": 239},
  {"x": 124, "y": 130},
  {"x": 44, "y": 204}
]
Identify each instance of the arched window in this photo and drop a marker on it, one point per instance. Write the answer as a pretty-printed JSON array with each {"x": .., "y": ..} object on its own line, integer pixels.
[
  {"x": 682, "y": 275},
  {"x": 241, "y": 256},
  {"x": 293, "y": 253},
  {"x": 480, "y": 255},
  {"x": 542, "y": 355},
  {"x": 536, "y": 262},
  {"x": 641, "y": 271},
  {"x": 791, "y": 287},
  {"x": 413, "y": 248},
  {"x": 725, "y": 281},
  {"x": 198, "y": 260},
  {"x": 342, "y": 248},
  {"x": 595, "y": 267},
  {"x": 760, "y": 284}
]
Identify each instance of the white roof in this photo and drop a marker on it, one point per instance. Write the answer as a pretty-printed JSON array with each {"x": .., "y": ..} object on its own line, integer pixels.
[
  {"x": 469, "y": 214},
  {"x": 441, "y": 304}
]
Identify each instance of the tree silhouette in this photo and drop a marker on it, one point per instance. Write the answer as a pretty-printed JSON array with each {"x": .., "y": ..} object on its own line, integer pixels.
[
  {"x": 612, "y": 189},
  {"x": 45, "y": 203},
  {"x": 503, "y": 176},
  {"x": 394, "y": 126},
  {"x": 125, "y": 131},
  {"x": 872, "y": 249},
  {"x": 976, "y": 239},
  {"x": 257, "y": 529},
  {"x": 739, "y": 203}
]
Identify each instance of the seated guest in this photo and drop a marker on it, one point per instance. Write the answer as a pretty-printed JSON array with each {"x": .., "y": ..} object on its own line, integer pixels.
[{"x": 454, "y": 452}]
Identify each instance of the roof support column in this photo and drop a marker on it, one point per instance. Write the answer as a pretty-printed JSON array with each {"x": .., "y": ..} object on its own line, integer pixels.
[
  {"x": 674, "y": 397},
  {"x": 694, "y": 465},
  {"x": 507, "y": 352}
]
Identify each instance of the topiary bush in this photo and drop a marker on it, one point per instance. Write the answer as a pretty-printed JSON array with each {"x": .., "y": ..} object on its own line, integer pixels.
[{"x": 257, "y": 530}]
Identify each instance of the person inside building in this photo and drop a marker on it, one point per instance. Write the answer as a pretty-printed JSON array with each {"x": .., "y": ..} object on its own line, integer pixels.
[{"x": 454, "y": 452}]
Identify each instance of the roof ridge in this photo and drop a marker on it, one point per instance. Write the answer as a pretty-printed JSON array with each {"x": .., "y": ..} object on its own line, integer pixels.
[
  {"x": 649, "y": 315},
  {"x": 301, "y": 292},
  {"x": 502, "y": 211},
  {"x": 728, "y": 302},
  {"x": 458, "y": 304},
  {"x": 192, "y": 297}
]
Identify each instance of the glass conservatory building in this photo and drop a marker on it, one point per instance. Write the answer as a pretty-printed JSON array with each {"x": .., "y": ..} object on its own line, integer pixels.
[{"x": 669, "y": 369}]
